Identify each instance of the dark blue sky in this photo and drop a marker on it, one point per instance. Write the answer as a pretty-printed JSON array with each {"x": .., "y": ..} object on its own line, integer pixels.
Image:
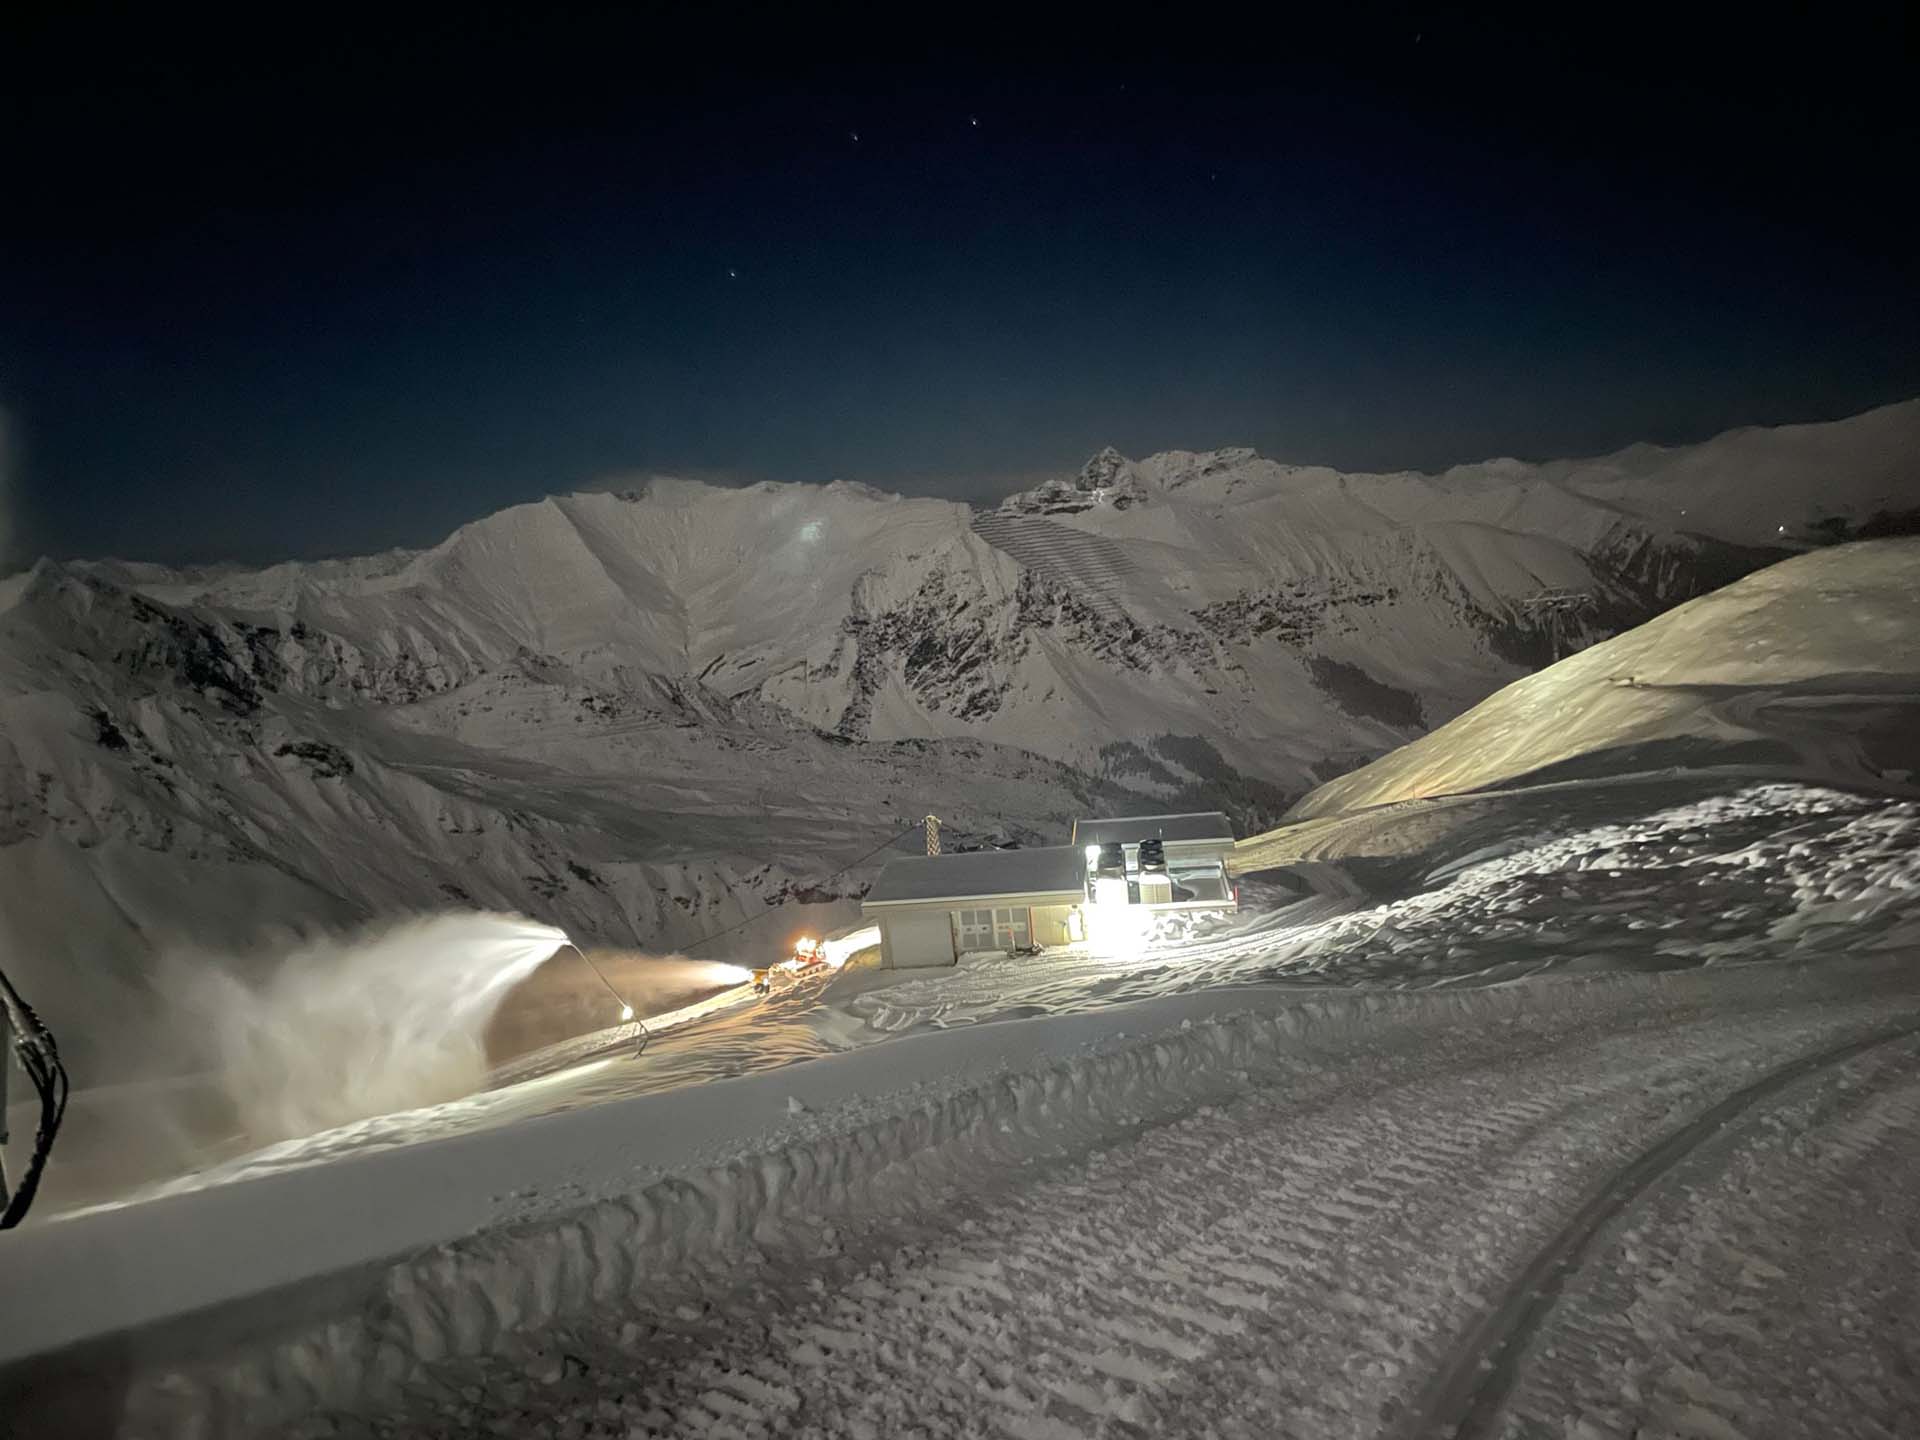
[{"x": 296, "y": 292}]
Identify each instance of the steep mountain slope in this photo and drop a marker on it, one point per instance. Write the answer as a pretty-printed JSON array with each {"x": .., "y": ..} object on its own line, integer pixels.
[
  {"x": 644, "y": 716},
  {"x": 1812, "y": 664}
]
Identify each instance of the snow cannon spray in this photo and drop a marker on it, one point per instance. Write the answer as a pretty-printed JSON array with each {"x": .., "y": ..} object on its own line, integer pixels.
[{"x": 346, "y": 1028}]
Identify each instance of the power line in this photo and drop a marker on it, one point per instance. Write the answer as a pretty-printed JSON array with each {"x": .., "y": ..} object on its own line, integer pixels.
[
  {"x": 851, "y": 864},
  {"x": 626, "y": 1006}
]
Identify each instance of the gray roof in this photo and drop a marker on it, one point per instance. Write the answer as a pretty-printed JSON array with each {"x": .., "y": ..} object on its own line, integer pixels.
[
  {"x": 1127, "y": 829},
  {"x": 982, "y": 874}
]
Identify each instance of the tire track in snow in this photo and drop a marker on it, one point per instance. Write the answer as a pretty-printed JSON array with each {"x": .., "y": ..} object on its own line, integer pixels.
[
  {"x": 1466, "y": 1395},
  {"x": 1759, "y": 1291}
]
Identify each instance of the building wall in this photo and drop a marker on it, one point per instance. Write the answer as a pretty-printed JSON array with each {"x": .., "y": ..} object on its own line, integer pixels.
[
  {"x": 1056, "y": 924},
  {"x": 916, "y": 937}
]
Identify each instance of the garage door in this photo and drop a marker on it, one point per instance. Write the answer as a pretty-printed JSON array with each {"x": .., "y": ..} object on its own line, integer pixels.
[
  {"x": 973, "y": 929},
  {"x": 1012, "y": 929},
  {"x": 1003, "y": 929}
]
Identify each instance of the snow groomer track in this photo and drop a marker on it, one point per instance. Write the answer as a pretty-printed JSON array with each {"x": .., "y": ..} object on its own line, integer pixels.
[
  {"x": 1647, "y": 1204},
  {"x": 1093, "y": 567}
]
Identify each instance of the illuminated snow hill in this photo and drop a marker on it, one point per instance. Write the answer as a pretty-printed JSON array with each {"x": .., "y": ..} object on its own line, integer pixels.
[{"x": 1811, "y": 666}]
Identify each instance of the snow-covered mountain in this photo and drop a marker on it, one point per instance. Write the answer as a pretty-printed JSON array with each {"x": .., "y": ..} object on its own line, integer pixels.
[{"x": 647, "y": 715}]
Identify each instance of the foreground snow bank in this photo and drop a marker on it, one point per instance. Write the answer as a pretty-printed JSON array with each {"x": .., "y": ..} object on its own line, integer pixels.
[{"x": 345, "y": 1281}]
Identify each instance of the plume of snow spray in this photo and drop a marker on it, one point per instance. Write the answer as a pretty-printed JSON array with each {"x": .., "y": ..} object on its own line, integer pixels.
[
  {"x": 656, "y": 981},
  {"x": 387, "y": 1020}
]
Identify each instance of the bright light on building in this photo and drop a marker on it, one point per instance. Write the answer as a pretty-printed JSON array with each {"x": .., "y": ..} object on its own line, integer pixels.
[
  {"x": 1093, "y": 854},
  {"x": 1117, "y": 931}
]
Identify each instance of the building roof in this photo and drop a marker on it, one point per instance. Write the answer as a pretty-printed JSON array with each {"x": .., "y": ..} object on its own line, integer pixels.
[
  {"x": 982, "y": 875},
  {"x": 1129, "y": 829}
]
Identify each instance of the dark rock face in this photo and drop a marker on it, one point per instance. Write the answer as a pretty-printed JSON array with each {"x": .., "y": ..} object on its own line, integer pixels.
[
  {"x": 107, "y": 734},
  {"x": 1294, "y": 614},
  {"x": 237, "y": 663},
  {"x": 1102, "y": 472},
  {"x": 228, "y": 668},
  {"x": 956, "y": 648},
  {"x": 1358, "y": 693},
  {"x": 1881, "y": 525},
  {"x": 328, "y": 762},
  {"x": 1116, "y": 638},
  {"x": 946, "y": 647},
  {"x": 1186, "y": 772},
  {"x": 1661, "y": 572},
  {"x": 1639, "y": 576},
  {"x": 1107, "y": 477}
]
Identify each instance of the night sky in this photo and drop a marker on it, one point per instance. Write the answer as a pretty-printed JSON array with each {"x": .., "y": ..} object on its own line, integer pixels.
[{"x": 295, "y": 292}]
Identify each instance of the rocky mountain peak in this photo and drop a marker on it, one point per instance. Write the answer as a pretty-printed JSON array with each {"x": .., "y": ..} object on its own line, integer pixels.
[{"x": 1105, "y": 470}]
